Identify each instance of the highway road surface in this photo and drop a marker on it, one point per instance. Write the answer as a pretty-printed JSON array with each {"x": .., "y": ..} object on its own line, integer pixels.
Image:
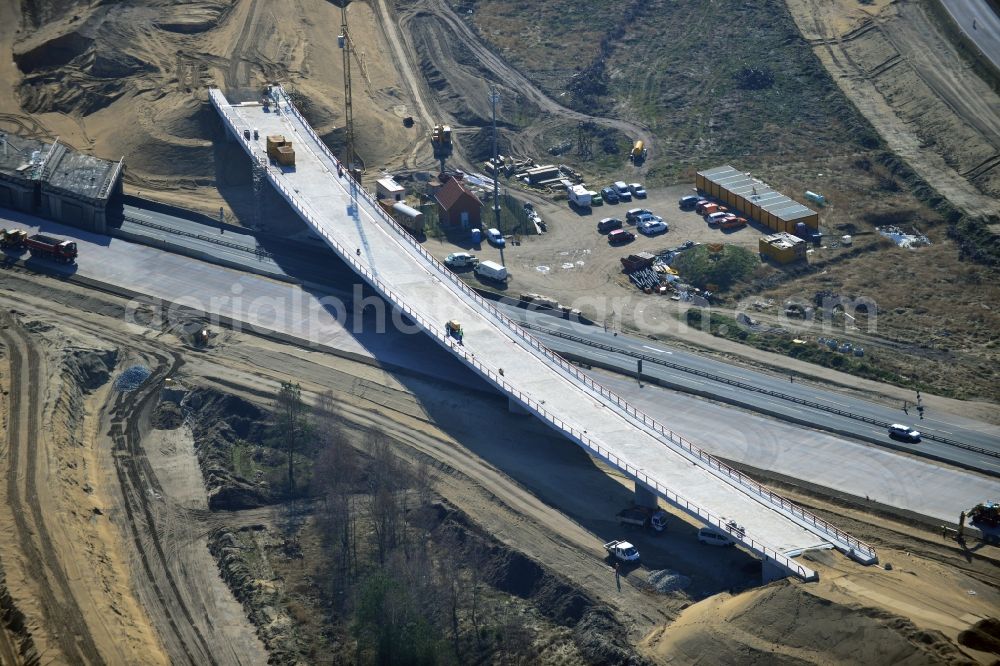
[
  {"x": 705, "y": 375},
  {"x": 773, "y": 394},
  {"x": 770, "y": 394},
  {"x": 980, "y": 23},
  {"x": 823, "y": 459}
]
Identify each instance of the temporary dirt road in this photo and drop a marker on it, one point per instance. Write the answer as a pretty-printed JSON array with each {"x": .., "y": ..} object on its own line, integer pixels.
[
  {"x": 141, "y": 588},
  {"x": 57, "y": 602},
  {"x": 435, "y": 22},
  {"x": 901, "y": 71},
  {"x": 510, "y": 475}
]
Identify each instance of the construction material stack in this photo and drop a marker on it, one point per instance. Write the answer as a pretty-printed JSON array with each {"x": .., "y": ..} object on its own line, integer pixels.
[{"x": 280, "y": 150}]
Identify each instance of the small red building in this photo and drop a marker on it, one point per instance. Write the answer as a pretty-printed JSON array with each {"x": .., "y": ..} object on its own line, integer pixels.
[{"x": 457, "y": 205}]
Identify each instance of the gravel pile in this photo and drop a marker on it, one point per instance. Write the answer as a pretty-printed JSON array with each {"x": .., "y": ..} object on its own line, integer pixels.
[
  {"x": 666, "y": 581},
  {"x": 132, "y": 378}
]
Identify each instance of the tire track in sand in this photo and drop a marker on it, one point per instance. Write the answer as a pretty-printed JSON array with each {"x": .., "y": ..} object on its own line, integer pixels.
[{"x": 25, "y": 443}]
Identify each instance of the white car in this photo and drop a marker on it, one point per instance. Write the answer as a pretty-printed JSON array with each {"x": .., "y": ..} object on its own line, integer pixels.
[
  {"x": 495, "y": 237},
  {"x": 715, "y": 218},
  {"x": 653, "y": 226},
  {"x": 460, "y": 260},
  {"x": 624, "y": 194},
  {"x": 637, "y": 190},
  {"x": 713, "y": 538}
]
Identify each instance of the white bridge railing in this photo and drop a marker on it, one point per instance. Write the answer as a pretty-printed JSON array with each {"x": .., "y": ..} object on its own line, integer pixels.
[{"x": 843, "y": 541}]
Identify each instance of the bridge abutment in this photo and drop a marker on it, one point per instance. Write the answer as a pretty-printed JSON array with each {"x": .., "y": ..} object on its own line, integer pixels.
[{"x": 770, "y": 572}]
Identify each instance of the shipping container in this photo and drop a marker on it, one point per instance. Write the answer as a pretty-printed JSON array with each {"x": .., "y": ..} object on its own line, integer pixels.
[{"x": 754, "y": 199}]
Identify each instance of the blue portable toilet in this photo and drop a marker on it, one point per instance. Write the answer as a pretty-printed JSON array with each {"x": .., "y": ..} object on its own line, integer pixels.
[{"x": 477, "y": 236}]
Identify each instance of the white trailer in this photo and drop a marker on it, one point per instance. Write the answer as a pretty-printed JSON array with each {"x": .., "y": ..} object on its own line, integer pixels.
[{"x": 579, "y": 196}]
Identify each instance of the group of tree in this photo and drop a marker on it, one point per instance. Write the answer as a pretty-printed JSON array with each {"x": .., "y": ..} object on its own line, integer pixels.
[
  {"x": 401, "y": 594},
  {"x": 717, "y": 270}
]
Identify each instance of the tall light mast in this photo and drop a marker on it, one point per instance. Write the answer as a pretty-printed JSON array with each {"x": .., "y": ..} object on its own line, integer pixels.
[
  {"x": 345, "y": 44},
  {"x": 494, "y": 98}
]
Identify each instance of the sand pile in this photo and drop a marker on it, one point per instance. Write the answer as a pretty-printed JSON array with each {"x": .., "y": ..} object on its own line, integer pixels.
[
  {"x": 786, "y": 624},
  {"x": 132, "y": 80}
]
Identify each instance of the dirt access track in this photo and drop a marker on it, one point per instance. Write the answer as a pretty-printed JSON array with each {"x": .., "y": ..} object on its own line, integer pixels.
[
  {"x": 107, "y": 520},
  {"x": 896, "y": 63},
  {"x": 430, "y": 34}
]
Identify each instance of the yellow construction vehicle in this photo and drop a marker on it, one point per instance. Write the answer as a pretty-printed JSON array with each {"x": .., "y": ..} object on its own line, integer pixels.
[{"x": 12, "y": 238}]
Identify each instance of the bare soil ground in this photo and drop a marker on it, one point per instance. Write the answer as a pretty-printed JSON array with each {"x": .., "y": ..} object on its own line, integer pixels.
[
  {"x": 901, "y": 71},
  {"x": 105, "y": 555},
  {"x": 132, "y": 532}
]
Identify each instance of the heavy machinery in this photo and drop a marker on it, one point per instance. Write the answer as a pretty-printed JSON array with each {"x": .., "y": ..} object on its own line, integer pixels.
[
  {"x": 638, "y": 152},
  {"x": 48, "y": 247},
  {"x": 441, "y": 143},
  {"x": 13, "y": 239},
  {"x": 985, "y": 514},
  {"x": 454, "y": 329}
]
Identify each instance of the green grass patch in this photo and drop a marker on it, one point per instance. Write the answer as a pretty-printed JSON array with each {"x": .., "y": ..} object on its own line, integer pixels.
[{"x": 716, "y": 271}]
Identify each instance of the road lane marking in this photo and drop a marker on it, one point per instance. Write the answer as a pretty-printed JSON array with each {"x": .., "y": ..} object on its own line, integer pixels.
[{"x": 658, "y": 351}]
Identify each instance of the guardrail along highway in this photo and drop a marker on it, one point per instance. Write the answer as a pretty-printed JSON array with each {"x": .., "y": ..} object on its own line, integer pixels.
[{"x": 500, "y": 351}]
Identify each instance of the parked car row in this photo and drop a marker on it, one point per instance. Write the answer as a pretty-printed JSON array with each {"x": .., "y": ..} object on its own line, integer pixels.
[
  {"x": 715, "y": 214},
  {"x": 620, "y": 191},
  {"x": 644, "y": 220}
]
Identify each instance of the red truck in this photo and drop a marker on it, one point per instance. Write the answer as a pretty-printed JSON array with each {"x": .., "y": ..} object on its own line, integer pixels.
[{"x": 63, "y": 251}]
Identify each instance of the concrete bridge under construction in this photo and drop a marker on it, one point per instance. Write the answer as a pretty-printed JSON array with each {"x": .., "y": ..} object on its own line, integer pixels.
[{"x": 536, "y": 380}]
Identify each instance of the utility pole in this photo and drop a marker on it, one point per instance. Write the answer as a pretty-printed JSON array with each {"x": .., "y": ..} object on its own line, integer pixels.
[
  {"x": 345, "y": 44},
  {"x": 494, "y": 98}
]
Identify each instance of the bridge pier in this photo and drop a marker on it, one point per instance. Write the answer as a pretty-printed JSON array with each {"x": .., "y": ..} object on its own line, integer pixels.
[
  {"x": 645, "y": 497},
  {"x": 770, "y": 572},
  {"x": 514, "y": 407}
]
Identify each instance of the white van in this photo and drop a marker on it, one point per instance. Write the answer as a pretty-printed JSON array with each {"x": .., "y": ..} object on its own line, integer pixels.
[
  {"x": 491, "y": 270},
  {"x": 713, "y": 538},
  {"x": 495, "y": 238}
]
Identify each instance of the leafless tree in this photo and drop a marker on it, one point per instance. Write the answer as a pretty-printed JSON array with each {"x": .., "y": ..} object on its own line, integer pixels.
[
  {"x": 515, "y": 640},
  {"x": 292, "y": 424},
  {"x": 386, "y": 489},
  {"x": 335, "y": 478}
]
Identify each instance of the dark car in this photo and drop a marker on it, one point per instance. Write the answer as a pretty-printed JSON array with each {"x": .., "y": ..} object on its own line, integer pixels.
[
  {"x": 619, "y": 236},
  {"x": 610, "y": 195},
  {"x": 609, "y": 224},
  {"x": 903, "y": 432},
  {"x": 689, "y": 202},
  {"x": 633, "y": 214}
]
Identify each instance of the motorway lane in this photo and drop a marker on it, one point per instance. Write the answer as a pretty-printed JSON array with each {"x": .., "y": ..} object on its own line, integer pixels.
[
  {"x": 768, "y": 404},
  {"x": 323, "y": 318},
  {"x": 820, "y": 458},
  {"x": 313, "y": 267},
  {"x": 980, "y": 24},
  {"x": 875, "y": 473},
  {"x": 967, "y": 431}
]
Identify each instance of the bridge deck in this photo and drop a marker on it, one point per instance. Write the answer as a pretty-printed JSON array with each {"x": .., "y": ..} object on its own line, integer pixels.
[{"x": 555, "y": 391}]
